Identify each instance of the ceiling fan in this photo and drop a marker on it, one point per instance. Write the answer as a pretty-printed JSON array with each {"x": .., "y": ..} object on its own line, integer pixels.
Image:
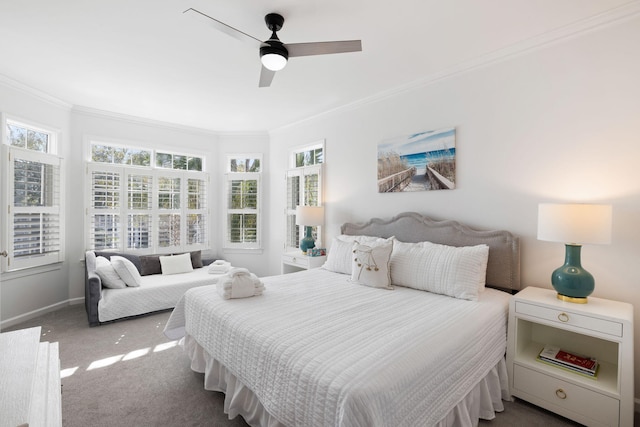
[{"x": 273, "y": 53}]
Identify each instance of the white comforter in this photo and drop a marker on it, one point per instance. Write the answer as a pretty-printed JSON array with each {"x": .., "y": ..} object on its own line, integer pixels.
[
  {"x": 320, "y": 351},
  {"x": 156, "y": 292}
]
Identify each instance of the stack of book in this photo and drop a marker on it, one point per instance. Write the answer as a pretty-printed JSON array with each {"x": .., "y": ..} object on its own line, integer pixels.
[{"x": 576, "y": 363}]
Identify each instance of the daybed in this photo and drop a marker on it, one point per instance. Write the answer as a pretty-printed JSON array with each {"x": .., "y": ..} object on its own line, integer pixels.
[
  {"x": 320, "y": 349},
  {"x": 156, "y": 291}
]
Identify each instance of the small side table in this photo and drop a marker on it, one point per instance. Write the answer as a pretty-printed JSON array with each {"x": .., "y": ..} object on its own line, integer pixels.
[
  {"x": 601, "y": 328},
  {"x": 297, "y": 261}
]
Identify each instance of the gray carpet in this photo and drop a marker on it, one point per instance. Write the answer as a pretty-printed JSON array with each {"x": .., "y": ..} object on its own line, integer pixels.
[{"x": 127, "y": 373}]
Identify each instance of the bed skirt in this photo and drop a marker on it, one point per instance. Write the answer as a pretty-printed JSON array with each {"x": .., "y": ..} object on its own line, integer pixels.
[{"x": 482, "y": 402}]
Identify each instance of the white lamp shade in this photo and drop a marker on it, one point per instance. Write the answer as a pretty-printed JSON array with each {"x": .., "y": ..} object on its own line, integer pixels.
[
  {"x": 309, "y": 215},
  {"x": 575, "y": 223},
  {"x": 273, "y": 61}
]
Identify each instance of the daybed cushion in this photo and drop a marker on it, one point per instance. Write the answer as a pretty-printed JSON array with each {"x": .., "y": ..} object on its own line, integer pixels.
[
  {"x": 459, "y": 272},
  {"x": 156, "y": 292},
  {"x": 150, "y": 264}
]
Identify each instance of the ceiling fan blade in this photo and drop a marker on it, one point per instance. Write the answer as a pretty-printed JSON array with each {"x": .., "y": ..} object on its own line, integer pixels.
[
  {"x": 221, "y": 26},
  {"x": 323, "y": 48},
  {"x": 266, "y": 77}
]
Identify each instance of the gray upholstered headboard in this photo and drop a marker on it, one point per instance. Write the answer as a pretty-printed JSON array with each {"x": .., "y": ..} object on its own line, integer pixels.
[{"x": 503, "y": 269}]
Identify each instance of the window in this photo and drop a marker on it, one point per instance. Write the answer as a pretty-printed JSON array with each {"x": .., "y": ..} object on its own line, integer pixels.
[
  {"x": 35, "y": 219},
  {"x": 304, "y": 187},
  {"x": 242, "y": 203},
  {"x": 134, "y": 206}
]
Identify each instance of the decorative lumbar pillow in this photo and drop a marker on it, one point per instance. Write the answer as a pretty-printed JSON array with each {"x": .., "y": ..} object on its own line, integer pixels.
[
  {"x": 150, "y": 264},
  {"x": 176, "y": 264},
  {"x": 126, "y": 270},
  {"x": 370, "y": 265},
  {"x": 459, "y": 272},
  {"x": 108, "y": 276}
]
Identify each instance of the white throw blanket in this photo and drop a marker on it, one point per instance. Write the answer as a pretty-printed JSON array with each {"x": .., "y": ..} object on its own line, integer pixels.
[
  {"x": 239, "y": 283},
  {"x": 219, "y": 266}
]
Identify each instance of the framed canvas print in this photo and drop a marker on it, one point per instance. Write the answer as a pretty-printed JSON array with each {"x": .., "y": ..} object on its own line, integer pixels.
[{"x": 423, "y": 161}]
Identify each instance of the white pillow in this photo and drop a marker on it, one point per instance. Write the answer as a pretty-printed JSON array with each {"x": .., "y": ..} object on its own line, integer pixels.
[
  {"x": 176, "y": 264},
  {"x": 459, "y": 272},
  {"x": 126, "y": 270},
  {"x": 340, "y": 256},
  {"x": 108, "y": 275},
  {"x": 370, "y": 265}
]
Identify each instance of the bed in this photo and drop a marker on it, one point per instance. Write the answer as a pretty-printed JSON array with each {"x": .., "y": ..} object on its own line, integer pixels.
[{"x": 319, "y": 349}]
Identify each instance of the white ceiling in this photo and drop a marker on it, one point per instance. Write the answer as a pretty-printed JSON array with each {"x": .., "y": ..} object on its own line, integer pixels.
[{"x": 145, "y": 58}]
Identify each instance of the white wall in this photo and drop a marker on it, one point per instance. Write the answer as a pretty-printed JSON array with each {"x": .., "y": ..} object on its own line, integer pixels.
[{"x": 561, "y": 123}]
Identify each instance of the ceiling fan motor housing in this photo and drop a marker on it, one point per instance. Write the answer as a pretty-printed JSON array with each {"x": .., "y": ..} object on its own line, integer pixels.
[{"x": 274, "y": 21}]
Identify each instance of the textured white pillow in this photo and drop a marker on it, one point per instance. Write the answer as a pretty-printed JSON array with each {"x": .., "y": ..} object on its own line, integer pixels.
[
  {"x": 459, "y": 272},
  {"x": 340, "y": 256},
  {"x": 126, "y": 270},
  {"x": 108, "y": 275},
  {"x": 370, "y": 265},
  {"x": 176, "y": 264}
]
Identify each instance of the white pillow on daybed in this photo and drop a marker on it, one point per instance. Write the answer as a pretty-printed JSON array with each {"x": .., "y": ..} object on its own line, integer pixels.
[
  {"x": 175, "y": 264},
  {"x": 459, "y": 272},
  {"x": 126, "y": 270},
  {"x": 108, "y": 275}
]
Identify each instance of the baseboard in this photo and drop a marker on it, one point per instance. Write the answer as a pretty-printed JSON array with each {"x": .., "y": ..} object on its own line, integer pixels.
[{"x": 39, "y": 312}]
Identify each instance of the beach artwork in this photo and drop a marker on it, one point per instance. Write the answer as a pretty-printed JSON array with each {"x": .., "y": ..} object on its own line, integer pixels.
[{"x": 423, "y": 161}]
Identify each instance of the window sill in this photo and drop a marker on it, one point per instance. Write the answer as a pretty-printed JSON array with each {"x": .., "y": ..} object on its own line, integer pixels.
[
  {"x": 31, "y": 271},
  {"x": 256, "y": 251}
]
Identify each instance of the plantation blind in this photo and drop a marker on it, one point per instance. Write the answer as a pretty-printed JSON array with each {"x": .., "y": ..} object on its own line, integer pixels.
[
  {"x": 304, "y": 188},
  {"x": 35, "y": 220}
]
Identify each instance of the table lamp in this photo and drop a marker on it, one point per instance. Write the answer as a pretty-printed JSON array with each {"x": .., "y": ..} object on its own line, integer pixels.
[
  {"x": 309, "y": 216},
  {"x": 574, "y": 225}
]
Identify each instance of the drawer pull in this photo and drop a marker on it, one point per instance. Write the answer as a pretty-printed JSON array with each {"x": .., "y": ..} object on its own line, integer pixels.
[
  {"x": 561, "y": 393},
  {"x": 563, "y": 317},
  {"x": 294, "y": 259}
]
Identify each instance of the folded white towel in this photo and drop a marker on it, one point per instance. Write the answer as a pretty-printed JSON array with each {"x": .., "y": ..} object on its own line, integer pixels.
[
  {"x": 219, "y": 266},
  {"x": 239, "y": 283}
]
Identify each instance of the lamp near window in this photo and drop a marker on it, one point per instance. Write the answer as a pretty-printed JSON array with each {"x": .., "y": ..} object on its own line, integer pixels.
[
  {"x": 574, "y": 225},
  {"x": 309, "y": 216}
]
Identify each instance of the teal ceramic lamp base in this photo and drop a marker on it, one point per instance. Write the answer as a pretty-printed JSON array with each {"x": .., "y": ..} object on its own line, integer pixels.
[
  {"x": 572, "y": 282},
  {"x": 307, "y": 241}
]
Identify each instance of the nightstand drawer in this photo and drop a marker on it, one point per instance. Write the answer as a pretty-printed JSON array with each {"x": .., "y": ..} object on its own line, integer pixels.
[
  {"x": 568, "y": 318},
  {"x": 567, "y": 396},
  {"x": 300, "y": 261}
]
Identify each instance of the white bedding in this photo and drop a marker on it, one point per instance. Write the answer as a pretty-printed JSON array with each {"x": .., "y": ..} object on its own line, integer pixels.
[
  {"x": 156, "y": 292},
  {"x": 319, "y": 350}
]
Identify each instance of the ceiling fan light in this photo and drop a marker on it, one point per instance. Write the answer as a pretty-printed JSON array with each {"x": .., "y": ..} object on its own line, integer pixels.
[{"x": 273, "y": 61}]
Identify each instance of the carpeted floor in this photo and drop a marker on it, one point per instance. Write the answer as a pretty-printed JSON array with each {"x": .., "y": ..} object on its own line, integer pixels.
[{"x": 128, "y": 373}]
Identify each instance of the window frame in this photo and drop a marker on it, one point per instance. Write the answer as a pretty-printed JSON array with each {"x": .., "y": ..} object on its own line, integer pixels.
[
  {"x": 10, "y": 153},
  {"x": 290, "y": 209},
  {"x": 230, "y": 176}
]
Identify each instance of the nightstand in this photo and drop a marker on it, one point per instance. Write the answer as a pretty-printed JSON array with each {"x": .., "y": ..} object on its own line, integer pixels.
[
  {"x": 297, "y": 261},
  {"x": 601, "y": 328}
]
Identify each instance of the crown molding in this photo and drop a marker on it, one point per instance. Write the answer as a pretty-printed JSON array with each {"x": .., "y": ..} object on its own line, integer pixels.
[
  {"x": 38, "y": 94},
  {"x": 597, "y": 22}
]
